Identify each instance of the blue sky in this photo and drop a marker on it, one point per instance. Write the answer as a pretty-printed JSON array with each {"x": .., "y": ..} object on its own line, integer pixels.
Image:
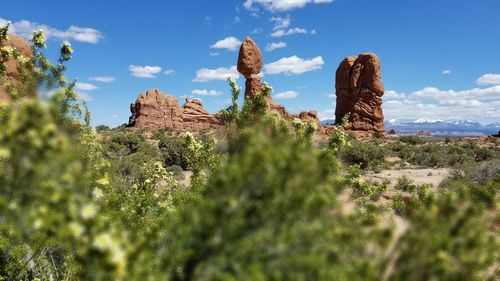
[{"x": 440, "y": 59}]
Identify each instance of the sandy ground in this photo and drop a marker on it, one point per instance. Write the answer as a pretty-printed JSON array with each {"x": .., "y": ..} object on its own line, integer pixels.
[
  {"x": 187, "y": 179},
  {"x": 419, "y": 176}
]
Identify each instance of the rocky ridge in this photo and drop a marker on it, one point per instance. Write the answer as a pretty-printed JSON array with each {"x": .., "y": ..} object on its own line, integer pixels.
[
  {"x": 359, "y": 91},
  {"x": 155, "y": 110}
]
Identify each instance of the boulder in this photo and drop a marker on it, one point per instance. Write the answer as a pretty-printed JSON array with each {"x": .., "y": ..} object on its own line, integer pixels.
[
  {"x": 359, "y": 91},
  {"x": 250, "y": 66},
  {"x": 249, "y": 58}
]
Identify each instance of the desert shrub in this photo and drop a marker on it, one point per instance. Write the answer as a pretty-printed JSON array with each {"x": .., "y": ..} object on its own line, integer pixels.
[
  {"x": 412, "y": 140},
  {"x": 399, "y": 205},
  {"x": 406, "y": 184},
  {"x": 101, "y": 128},
  {"x": 173, "y": 151},
  {"x": 484, "y": 154},
  {"x": 127, "y": 152},
  {"x": 230, "y": 114},
  {"x": 362, "y": 188},
  {"x": 50, "y": 167},
  {"x": 443, "y": 236},
  {"x": 365, "y": 154},
  {"x": 177, "y": 172},
  {"x": 258, "y": 212}
]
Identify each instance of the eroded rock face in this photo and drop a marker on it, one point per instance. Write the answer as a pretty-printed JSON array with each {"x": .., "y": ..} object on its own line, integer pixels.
[
  {"x": 18, "y": 43},
  {"x": 309, "y": 116},
  {"x": 154, "y": 110},
  {"x": 359, "y": 91},
  {"x": 196, "y": 118}
]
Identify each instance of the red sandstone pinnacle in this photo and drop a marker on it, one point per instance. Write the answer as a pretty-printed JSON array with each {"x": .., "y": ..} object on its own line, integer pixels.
[{"x": 359, "y": 91}]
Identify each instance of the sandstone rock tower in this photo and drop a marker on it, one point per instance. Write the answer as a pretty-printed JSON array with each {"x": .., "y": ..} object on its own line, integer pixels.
[{"x": 359, "y": 91}]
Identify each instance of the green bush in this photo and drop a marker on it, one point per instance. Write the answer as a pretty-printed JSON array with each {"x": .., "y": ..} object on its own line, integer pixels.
[
  {"x": 256, "y": 216},
  {"x": 412, "y": 140},
  {"x": 365, "y": 154},
  {"x": 128, "y": 152},
  {"x": 101, "y": 128},
  {"x": 173, "y": 151},
  {"x": 447, "y": 239},
  {"x": 177, "y": 172},
  {"x": 406, "y": 184}
]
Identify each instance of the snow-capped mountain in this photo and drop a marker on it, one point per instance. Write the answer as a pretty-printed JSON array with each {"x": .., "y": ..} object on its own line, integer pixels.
[
  {"x": 328, "y": 121},
  {"x": 441, "y": 127},
  {"x": 437, "y": 126}
]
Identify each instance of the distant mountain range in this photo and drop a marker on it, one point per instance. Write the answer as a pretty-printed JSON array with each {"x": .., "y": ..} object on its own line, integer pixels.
[{"x": 437, "y": 127}]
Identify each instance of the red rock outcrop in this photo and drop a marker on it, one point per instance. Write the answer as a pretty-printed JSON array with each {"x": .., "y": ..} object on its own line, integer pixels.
[
  {"x": 309, "y": 116},
  {"x": 359, "y": 91},
  {"x": 154, "y": 110},
  {"x": 196, "y": 118},
  {"x": 18, "y": 43}
]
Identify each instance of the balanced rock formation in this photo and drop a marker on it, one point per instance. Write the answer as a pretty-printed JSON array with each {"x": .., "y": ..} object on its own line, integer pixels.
[
  {"x": 359, "y": 91},
  {"x": 18, "y": 43},
  {"x": 154, "y": 110},
  {"x": 250, "y": 66}
]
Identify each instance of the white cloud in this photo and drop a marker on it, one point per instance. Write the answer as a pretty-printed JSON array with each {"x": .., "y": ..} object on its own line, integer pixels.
[
  {"x": 25, "y": 29},
  {"x": 489, "y": 79},
  {"x": 103, "y": 79},
  {"x": 206, "y": 93},
  {"x": 144, "y": 71},
  {"x": 281, "y": 5},
  {"x": 229, "y": 43},
  {"x": 274, "y": 46},
  {"x": 327, "y": 114},
  {"x": 168, "y": 72},
  {"x": 85, "y": 87},
  {"x": 480, "y": 104},
  {"x": 286, "y": 95},
  {"x": 446, "y": 72},
  {"x": 294, "y": 65},
  {"x": 221, "y": 73},
  {"x": 256, "y": 31},
  {"x": 213, "y": 54},
  {"x": 280, "y": 22},
  {"x": 283, "y": 32}
]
